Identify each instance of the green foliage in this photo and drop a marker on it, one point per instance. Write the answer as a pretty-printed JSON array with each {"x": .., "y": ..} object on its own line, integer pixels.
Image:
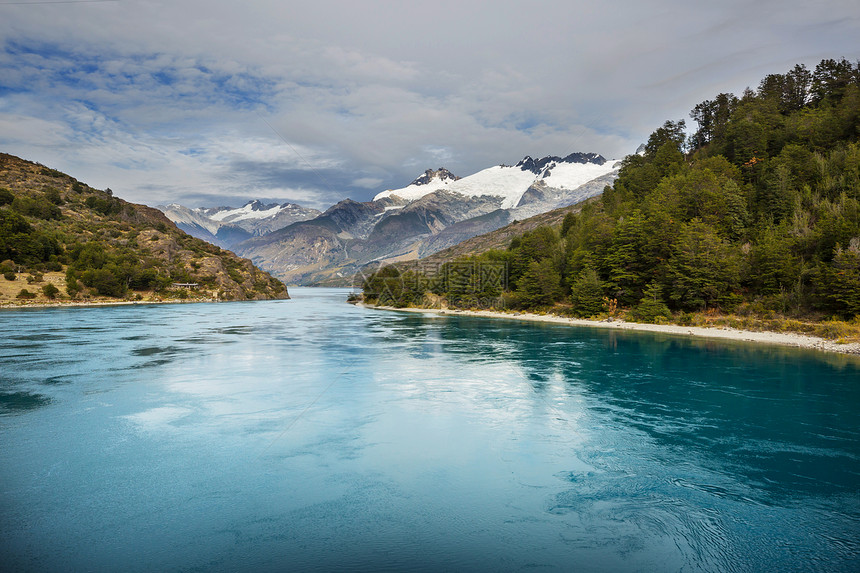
[
  {"x": 50, "y": 291},
  {"x": 52, "y": 194},
  {"x": 104, "y": 205},
  {"x": 10, "y": 275},
  {"x": 385, "y": 287},
  {"x": 651, "y": 308},
  {"x": 760, "y": 211},
  {"x": 845, "y": 280},
  {"x": 586, "y": 294},
  {"x": 6, "y": 196},
  {"x": 38, "y": 207},
  {"x": 104, "y": 281},
  {"x": 703, "y": 269},
  {"x": 540, "y": 285},
  {"x": 22, "y": 243},
  {"x": 25, "y": 294}
]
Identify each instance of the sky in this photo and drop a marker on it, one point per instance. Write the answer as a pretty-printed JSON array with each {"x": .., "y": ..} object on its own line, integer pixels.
[{"x": 217, "y": 102}]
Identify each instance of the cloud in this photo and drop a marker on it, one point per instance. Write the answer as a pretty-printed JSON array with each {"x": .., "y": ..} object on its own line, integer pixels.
[
  {"x": 367, "y": 182},
  {"x": 184, "y": 101}
]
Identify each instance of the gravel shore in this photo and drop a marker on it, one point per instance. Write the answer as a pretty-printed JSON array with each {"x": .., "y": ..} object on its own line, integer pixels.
[{"x": 782, "y": 338}]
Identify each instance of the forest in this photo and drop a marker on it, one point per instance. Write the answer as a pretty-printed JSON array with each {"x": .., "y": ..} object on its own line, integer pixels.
[{"x": 755, "y": 211}]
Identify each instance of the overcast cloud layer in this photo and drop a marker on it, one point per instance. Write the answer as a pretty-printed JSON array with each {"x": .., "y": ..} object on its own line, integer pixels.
[{"x": 218, "y": 102}]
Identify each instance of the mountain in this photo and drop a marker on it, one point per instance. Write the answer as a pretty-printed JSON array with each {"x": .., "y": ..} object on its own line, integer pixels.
[
  {"x": 435, "y": 211},
  {"x": 228, "y": 226},
  {"x": 74, "y": 242},
  {"x": 511, "y": 182}
]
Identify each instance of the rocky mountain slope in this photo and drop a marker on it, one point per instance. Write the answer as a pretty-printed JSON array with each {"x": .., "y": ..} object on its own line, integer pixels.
[
  {"x": 63, "y": 240},
  {"x": 436, "y": 211},
  {"x": 228, "y": 226}
]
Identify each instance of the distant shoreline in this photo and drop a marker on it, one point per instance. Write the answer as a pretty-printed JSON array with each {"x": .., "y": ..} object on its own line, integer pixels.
[
  {"x": 99, "y": 303},
  {"x": 84, "y": 304},
  {"x": 780, "y": 338}
]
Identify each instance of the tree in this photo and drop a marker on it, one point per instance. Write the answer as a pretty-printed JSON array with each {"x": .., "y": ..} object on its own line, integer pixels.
[
  {"x": 628, "y": 266},
  {"x": 540, "y": 285},
  {"x": 651, "y": 307},
  {"x": 712, "y": 117},
  {"x": 104, "y": 281},
  {"x": 50, "y": 291},
  {"x": 671, "y": 132},
  {"x": 831, "y": 78},
  {"x": 845, "y": 279},
  {"x": 586, "y": 294},
  {"x": 703, "y": 269}
]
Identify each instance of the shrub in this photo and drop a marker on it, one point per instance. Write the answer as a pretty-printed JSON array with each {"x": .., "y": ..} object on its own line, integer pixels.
[
  {"x": 52, "y": 194},
  {"x": 104, "y": 281},
  {"x": 39, "y": 208},
  {"x": 50, "y": 291},
  {"x": 25, "y": 294},
  {"x": 651, "y": 308},
  {"x": 10, "y": 275}
]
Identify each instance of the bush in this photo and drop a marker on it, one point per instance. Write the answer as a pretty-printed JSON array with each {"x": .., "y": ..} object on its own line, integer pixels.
[
  {"x": 835, "y": 329},
  {"x": 6, "y": 196},
  {"x": 73, "y": 287},
  {"x": 50, "y": 291},
  {"x": 104, "y": 281},
  {"x": 35, "y": 278},
  {"x": 25, "y": 294},
  {"x": 52, "y": 194},
  {"x": 651, "y": 308},
  {"x": 104, "y": 206},
  {"x": 39, "y": 208}
]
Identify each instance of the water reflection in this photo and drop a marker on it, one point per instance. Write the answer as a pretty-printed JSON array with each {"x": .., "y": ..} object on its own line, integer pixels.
[
  {"x": 12, "y": 402},
  {"x": 311, "y": 433}
]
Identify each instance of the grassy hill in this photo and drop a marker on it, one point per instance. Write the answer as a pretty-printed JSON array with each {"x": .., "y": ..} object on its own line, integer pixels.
[{"x": 62, "y": 240}]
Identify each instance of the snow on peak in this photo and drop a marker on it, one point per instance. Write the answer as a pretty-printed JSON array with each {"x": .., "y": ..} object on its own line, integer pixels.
[
  {"x": 510, "y": 182},
  {"x": 427, "y": 183},
  {"x": 251, "y": 210},
  {"x": 441, "y": 174}
]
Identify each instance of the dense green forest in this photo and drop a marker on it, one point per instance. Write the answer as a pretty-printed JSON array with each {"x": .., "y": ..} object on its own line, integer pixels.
[{"x": 756, "y": 212}]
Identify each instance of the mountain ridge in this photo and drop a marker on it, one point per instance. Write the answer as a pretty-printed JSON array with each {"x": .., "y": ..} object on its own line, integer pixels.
[{"x": 437, "y": 211}]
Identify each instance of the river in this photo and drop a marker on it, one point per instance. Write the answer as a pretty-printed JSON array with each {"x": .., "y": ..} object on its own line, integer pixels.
[{"x": 313, "y": 435}]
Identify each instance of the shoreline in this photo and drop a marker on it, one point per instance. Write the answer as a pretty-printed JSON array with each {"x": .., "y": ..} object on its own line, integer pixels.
[
  {"x": 100, "y": 303},
  {"x": 723, "y": 333},
  {"x": 83, "y": 304}
]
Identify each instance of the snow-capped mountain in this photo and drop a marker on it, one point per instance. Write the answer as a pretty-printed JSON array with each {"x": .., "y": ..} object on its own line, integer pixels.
[
  {"x": 511, "y": 182},
  {"x": 435, "y": 211},
  {"x": 227, "y": 226}
]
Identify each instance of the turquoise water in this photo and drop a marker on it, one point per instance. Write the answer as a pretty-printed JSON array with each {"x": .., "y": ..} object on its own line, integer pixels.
[{"x": 313, "y": 435}]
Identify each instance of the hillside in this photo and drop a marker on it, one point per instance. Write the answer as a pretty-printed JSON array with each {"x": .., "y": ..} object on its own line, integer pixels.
[
  {"x": 61, "y": 240},
  {"x": 756, "y": 215},
  {"x": 501, "y": 238}
]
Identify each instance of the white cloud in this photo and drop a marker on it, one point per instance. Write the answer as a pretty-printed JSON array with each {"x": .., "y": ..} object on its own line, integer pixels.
[
  {"x": 368, "y": 182},
  {"x": 164, "y": 100}
]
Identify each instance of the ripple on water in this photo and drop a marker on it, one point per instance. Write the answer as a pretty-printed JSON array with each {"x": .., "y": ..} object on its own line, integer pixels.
[{"x": 14, "y": 402}]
